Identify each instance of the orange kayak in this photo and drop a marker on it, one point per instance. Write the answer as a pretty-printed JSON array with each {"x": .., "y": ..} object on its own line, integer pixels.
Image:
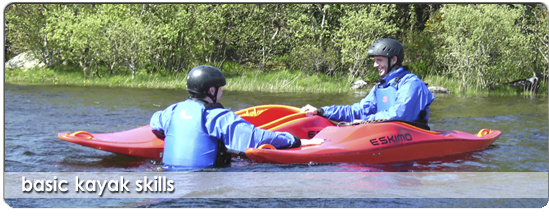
[
  {"x": 374, "y": 143},
  {"x": 368, "y": 143},
  {"x": 141, "y": 142}
]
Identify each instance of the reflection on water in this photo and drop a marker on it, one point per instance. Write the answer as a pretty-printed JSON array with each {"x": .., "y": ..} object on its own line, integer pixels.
[{"x": 35, "y": 114}]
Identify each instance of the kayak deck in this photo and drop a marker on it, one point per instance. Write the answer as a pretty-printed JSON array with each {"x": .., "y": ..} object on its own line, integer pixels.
[
  {"x": 378, "y": 143},
  {"x": 138, "y": 142}
]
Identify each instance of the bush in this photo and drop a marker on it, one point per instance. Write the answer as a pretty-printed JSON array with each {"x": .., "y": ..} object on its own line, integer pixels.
[{"x": 480, "y": 45}]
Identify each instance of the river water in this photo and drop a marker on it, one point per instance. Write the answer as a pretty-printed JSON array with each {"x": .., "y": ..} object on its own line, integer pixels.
[{"x": 33, "y": 115}]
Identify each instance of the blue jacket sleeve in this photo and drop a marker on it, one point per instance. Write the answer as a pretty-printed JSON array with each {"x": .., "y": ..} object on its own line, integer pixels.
[
  {"x": 348, "y": 113},
  {"x": 238, "y": 134},
  {"x": 412, "y": 97},
  {"x": 161, "y": 119}
]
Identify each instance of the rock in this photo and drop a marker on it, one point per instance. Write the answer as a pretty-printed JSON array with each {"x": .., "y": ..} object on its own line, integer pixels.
[
  {"x": 359, "y": 84},
  {"x": 439, "y": 89},
  {"x": 24, "y": 61}
]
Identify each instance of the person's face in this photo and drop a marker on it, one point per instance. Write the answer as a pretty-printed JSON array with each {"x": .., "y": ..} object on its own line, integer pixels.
[{"x": 380, "y": 63}]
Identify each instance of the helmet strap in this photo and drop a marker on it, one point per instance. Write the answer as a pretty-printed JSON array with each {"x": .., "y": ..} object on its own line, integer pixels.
[
  {"x": 214, "y": 97},
  {"x": 387, "y": 68}
]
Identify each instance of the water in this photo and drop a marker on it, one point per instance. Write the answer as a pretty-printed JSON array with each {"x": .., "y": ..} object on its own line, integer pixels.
[{"x": 35, "y": 114}]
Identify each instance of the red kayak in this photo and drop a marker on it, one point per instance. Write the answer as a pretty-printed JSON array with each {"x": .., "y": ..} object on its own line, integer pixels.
[
  {"x": 374, "y": 143},
  {"x": 141, "y": 142},
  {"x": 367, "y": 143}
]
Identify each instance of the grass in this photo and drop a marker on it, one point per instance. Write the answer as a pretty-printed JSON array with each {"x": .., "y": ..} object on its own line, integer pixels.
[
  {"x": 287, "y": 81},
  {"x": 456, "y": 87},
  {"x": 244, "y": 80},
  {"x": 238, "y": 79}
]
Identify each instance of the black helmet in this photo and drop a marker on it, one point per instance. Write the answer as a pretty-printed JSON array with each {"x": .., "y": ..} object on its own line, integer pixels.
[
  {"x": 201, "y": 78},
  {"x": 387, "y": 47}
]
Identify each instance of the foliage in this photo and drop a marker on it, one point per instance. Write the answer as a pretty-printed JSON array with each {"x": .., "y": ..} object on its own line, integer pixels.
[
  {"x": 363, "y": 25},
  {"x": 481, "y": 46},
  {"x": 23, "y": 29},
  {"x": 534, "y": 25},
  {"x": 419, "y": 53}
]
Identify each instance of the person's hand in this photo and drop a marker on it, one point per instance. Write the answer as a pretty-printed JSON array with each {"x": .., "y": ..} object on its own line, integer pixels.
[
  {"x": 305, "y": 142},
  {"x": 308, "y": 109}
]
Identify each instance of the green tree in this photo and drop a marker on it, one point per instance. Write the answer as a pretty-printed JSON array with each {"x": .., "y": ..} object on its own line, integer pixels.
[
  {"x": 172, "y": 30},
  {"x": 24, "y": 24},
  {"x": 313, "y": 27},
  {"x": 535, "y": 25},
  {"x": 136, "y": 38},
  {"x": 362, "y": 25},
  {"x": 74, "y": 31},
  {"x": 479, "y": 43},
  {"x": 255, "y": 33}
]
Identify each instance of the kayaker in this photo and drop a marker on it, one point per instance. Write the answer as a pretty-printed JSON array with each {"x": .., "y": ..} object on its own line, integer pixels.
[
  {"x": 399, "y": 95},
  {"x": 199, "y": 132}
]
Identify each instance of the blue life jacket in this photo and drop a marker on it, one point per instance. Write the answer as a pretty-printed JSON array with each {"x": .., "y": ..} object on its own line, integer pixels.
[
  {"x": 385, "y": 97},
  {"x": 190, "y": 145}
]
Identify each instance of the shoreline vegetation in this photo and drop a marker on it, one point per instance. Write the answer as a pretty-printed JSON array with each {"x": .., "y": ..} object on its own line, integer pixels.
[
  {"x": 240, "y": 79},
  {"x": 280, "y": 47}
]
